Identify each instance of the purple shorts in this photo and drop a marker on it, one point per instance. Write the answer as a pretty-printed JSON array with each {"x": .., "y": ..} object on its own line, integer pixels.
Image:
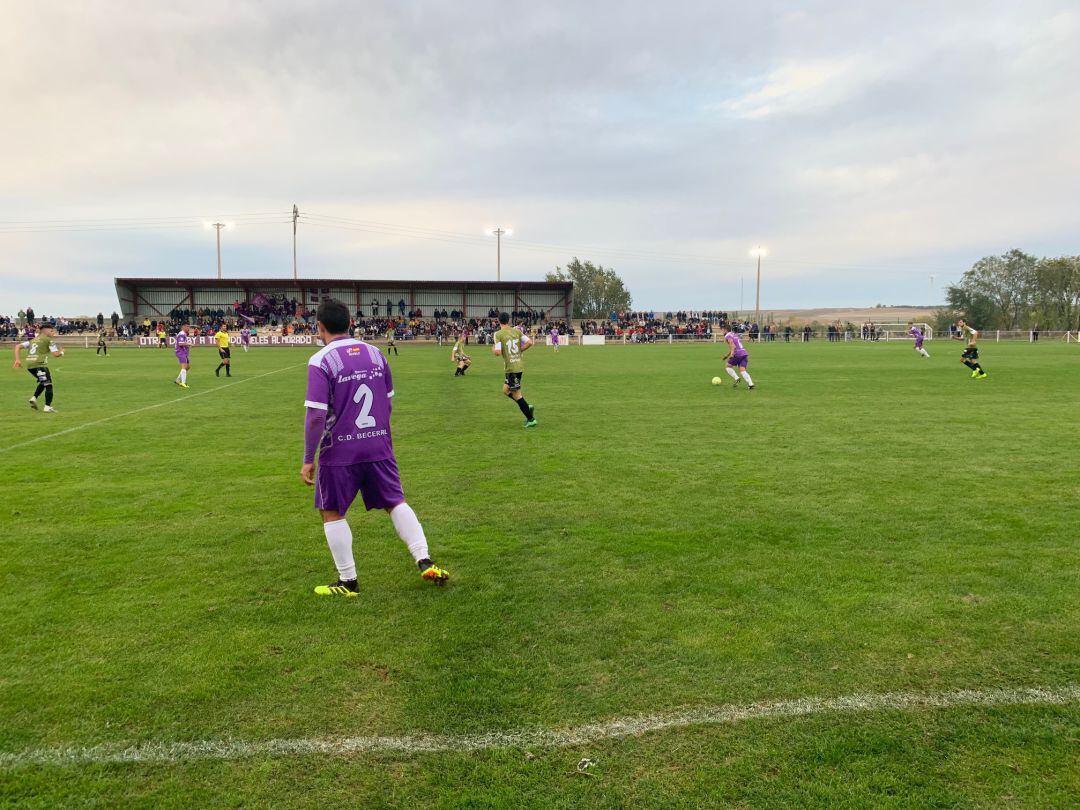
[
  {"x": 739, "y": 359},
  {"x": 918, "y": 343},
  {"x": 182, "y": 357},
  {"x": 376, "y": 481}
]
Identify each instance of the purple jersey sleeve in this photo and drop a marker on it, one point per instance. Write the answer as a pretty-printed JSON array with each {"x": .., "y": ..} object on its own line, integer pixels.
[
  {"x": 314, "y": 426},
  {"x": 318, "y": 388},
  {"x": 317, "y": 403}
]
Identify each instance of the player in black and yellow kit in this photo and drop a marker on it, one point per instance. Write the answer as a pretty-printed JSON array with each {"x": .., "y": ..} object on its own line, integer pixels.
[
  {"x": 970, "y": 356},
  {"x": 510, "y": 344},
  {"x": 221, "y": 337},
  {"x": 461, "y": 360},
  {"x": 37, "y": 363},
  {"x": 102, "y": 346}
]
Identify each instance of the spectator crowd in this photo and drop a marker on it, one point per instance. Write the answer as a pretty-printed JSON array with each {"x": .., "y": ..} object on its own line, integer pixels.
[{"x": 286, "y": 316}]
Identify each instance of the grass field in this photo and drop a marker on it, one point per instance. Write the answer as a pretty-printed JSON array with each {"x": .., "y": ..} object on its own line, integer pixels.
[{"x": 865, "y": 522}]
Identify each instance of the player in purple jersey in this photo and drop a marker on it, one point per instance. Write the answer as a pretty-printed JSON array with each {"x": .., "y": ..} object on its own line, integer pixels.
[
  {"x": 916, "y": 333},
  {"x": 737, "y": 360},
  {"x": 348, "y": 423},
  {"x": 183, "y": 350},
  {"x": 555, "y": 340},
  {"x": 245, "y": 338}
]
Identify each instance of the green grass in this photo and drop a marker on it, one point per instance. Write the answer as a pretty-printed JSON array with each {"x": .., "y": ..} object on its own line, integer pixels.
[{"x": 864, "y": 521}]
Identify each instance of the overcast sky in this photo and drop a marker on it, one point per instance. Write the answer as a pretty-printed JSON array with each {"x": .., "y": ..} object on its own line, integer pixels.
[{"x": 868, "y": 145}]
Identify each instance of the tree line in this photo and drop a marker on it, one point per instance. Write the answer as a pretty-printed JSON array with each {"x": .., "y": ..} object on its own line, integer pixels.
[
  {"x": 1017, "y": 291},
  {"x": 1013, "y": 291}
]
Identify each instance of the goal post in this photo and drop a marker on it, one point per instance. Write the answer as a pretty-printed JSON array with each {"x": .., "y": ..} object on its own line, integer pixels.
[{"x": 899, "y": 331}]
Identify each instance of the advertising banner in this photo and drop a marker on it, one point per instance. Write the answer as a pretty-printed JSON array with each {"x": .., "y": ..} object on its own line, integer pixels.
[{"x": 234, "y": 340}]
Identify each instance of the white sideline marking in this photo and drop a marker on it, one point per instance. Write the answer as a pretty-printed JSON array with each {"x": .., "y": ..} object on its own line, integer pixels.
[
  {"x": 145, "y": 408},
  {"x": 229, "y": 749}
]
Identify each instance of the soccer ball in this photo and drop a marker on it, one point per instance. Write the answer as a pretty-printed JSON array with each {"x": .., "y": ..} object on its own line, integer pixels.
[{"x": 716, "y": 380}]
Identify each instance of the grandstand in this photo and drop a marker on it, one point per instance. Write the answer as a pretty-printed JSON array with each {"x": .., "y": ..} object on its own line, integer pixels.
[{"x": 157, "y": 297}]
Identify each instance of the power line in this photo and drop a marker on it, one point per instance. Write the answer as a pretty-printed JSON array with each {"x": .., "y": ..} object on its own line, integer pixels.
[
  {"x": 331, "y": 221},
  {"x": 141, "y": 219},
  {"x": 134, "y": 223},
  {"x": 165, "y": 226}
]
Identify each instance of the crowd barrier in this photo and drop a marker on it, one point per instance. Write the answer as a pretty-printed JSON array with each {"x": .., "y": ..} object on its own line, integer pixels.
[
  {"x": 986, "y": 335},
  {"x": 89, "y": 340}
]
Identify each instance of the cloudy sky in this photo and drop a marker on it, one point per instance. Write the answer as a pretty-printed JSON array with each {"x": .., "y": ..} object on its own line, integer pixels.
[{"x": 868, "y": 145}]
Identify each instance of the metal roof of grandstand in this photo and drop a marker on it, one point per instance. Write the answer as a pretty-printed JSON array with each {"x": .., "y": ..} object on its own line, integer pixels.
[{"x": 305, "y": 283}]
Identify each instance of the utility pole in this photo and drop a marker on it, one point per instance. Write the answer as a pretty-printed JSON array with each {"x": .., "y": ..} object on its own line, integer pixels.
[
  {"x": 217, "y": 227},
  {"x": 759, "y": 251},
  {"x": 295, "y": 219}
]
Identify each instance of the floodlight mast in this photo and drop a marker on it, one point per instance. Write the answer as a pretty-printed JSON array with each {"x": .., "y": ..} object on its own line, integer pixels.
[
  {"x": 498, "y": 233},
  {"x": 217, "y": 226}
]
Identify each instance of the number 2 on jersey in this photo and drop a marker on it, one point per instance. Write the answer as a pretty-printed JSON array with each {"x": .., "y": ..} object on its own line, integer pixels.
[{"x": 364, "y": 398}]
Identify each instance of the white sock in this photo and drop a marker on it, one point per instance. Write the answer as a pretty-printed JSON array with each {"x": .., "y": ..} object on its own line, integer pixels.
[
  {"x": 410, "y": 531},
  {"x": 924, "y": 352},
  {"x": 339, "y": 538},
  {"x": 732, "y": 373},
  {"x": 245, "y": 348},
  {"x": 183, "y": 375},
  {"x": 746, "y": 376}
]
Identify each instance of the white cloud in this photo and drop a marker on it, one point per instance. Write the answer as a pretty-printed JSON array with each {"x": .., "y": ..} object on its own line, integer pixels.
[{"x": 799, "y": 87}]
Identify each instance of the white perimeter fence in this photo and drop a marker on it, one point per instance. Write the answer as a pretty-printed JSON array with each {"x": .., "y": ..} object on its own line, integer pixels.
[
  {"x": 985, "y": 336},
  {"x": 89, "y": 341}
]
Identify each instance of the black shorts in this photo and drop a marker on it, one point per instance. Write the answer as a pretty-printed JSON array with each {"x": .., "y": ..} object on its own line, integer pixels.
[
  {"x": 970, "y": 353},
  {"x": 513, "y": 380},
  {"x": 42, "y": 374},
  {"x": 224, "y": 354}
]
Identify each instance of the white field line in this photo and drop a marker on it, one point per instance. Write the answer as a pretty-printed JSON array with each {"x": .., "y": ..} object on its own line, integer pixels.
[
  {"x": 64, "y": 432},
  {"x": 230, "y": 749}
]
